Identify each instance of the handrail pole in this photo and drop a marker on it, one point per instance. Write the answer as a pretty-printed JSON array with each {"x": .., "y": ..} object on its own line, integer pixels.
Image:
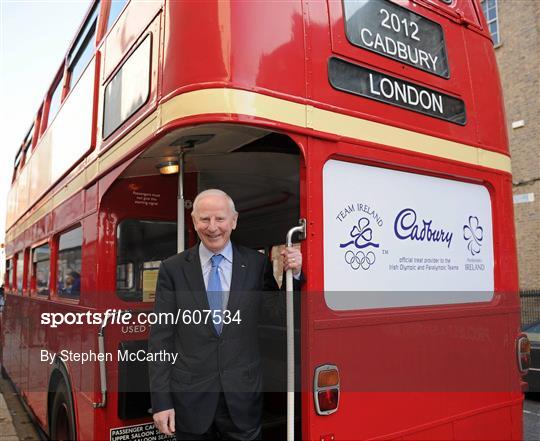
[
  {"x": 102, "y": 367},
  {"x": 290, "y": 332},
  {"x": 180, "y": 245}
]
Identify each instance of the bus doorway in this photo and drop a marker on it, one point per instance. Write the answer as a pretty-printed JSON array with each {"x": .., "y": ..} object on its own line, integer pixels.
[{"x": 261, "y": 172}]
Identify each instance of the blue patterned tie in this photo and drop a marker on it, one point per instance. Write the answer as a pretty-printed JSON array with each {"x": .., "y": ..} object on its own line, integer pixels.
[{"x": 214, "y": 291}]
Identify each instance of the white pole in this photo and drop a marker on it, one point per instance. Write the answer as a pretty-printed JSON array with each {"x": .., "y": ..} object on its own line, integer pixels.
[
  {"x": 290, "y": 337},
  {"x": 180, "y": 245}
]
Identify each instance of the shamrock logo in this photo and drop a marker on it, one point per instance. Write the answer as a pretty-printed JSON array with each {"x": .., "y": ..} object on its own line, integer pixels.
[
  {"x": 362, "y": 235},
  {"x": 473, "y": 233}
]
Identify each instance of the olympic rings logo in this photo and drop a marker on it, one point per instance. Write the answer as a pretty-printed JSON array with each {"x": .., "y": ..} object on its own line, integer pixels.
[{"x": 360, "y": 259}]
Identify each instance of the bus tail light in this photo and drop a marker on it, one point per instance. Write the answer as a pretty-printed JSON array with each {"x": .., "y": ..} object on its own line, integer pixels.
[
  {"x": 326, "y": 389},
  {"x": 523, "y": 354}
]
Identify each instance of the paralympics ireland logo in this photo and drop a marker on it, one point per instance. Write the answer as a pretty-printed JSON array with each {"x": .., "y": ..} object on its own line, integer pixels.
[
  {"x": 473, "y": 234},
  {"x": 360, "y": 242}
]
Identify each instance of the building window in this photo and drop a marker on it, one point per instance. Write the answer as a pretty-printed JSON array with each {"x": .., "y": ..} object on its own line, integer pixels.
[
  {"x": 489, "y": 7},
  {"x": 69, "y": 264},
  {"x": 41, "y": 258}
]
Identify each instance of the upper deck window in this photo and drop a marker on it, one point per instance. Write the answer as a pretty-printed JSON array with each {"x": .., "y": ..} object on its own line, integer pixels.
[
  {"x": 18, "y": 158},
  {"x": 28, "y": 138},
  {"x": 114, "y": 12},
  {"x": 56, "y": 100},
  {"x": 129, "y": 88},
  {"x": 489, "y": 8},
  {"x": 27, "y": 143},
  {"x": 83, "y": 49}
]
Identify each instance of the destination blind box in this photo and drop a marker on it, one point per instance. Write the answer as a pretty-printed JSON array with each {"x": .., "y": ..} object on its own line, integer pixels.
[
  {"x": 388, "y": 29},
  {"x": 375, "y": 85}
]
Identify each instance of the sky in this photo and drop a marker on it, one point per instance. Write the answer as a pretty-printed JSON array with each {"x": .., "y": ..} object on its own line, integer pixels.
[{"x": 34, "y": 38}]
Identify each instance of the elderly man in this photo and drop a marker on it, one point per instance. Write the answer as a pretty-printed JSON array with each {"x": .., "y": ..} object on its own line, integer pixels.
[{"x": 215, "y": 387}]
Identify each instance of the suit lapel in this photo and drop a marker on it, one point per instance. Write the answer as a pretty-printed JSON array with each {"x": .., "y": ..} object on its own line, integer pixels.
[{"x": 194, "y": 277}]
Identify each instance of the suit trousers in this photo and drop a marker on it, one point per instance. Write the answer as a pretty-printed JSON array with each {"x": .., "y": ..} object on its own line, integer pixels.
[{"x": 222, "y": 427}]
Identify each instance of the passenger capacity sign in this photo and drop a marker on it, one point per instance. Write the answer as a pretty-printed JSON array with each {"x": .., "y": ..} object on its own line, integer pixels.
[
  {"x": 390, "y": 30},
  {"x": 352, "y": 78},
  {"x": 139, "y": 432}
]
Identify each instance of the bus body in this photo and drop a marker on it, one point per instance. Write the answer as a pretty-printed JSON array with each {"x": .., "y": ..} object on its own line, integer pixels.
[{"x": 380, "y": 122}]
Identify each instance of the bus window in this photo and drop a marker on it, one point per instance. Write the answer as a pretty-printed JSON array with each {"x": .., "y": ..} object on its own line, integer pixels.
[
  {"x": 41, "y": 257},
  {"x": 18, "y": 158},
  {"x": 27, "y": 143},
  {"x": 128, "y": 90},
  {"x": 56, "y": 100},
  {"x": 69, "y": 264},
  {"x": 83, "y": 49},
  {"x": 116, "y": 8},
  {"x": 141, "y": 246},
  {"x": 9, "y": 273},
  {"x": 19, "y": 271}
]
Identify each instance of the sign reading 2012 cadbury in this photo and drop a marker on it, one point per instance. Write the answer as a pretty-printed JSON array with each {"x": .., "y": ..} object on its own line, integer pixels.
[{"x": 390, "y": 30}]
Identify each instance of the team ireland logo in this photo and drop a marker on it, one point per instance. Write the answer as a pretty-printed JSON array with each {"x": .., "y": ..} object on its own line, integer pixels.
[{"x": 360, "y": 245}]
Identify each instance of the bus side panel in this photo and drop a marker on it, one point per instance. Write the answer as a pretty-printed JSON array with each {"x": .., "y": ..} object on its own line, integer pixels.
[
  {"x": 488, "y": 96},
  {"x": 222, "y": 55},
  {"x": 439, "y": 371},
  {"x": 12, "y": 330},
  {"x": 38, "y": 370},
  {"x": 402, "y": 377}
]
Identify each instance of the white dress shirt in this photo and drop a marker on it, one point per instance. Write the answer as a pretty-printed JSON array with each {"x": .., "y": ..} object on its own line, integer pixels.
[{"x": 224, "y": 270}]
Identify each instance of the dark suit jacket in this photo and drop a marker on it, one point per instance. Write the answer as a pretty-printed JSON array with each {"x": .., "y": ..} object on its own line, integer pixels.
[{"x": 208, "y": 363}]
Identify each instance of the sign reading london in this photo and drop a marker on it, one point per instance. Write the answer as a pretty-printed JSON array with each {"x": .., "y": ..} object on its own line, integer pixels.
[
  {"x": 390, "y": 30},
  {"x": 352, "y": 78}
]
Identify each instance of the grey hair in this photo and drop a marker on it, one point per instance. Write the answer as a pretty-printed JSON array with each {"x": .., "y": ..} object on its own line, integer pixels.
[{"x": 214, "y": 192}]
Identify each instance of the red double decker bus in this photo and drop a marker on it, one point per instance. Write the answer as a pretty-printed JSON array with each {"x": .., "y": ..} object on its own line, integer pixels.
[{"x": 378, "y": 122}]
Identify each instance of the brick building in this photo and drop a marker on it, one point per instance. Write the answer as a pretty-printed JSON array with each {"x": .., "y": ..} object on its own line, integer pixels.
[{"x": 515, "y": 28}]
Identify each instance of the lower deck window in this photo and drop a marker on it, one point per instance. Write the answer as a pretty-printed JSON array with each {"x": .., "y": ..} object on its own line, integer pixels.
[
  {"x": 9, "y": 273},
  {"x": 41, "y": 269},
  {"x": 141, "y": 246},
  {"x": 19, "y": 270},
  {"x": 69, "y": 264}
]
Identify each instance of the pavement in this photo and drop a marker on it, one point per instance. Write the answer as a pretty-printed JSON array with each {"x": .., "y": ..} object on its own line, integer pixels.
[
  {"x": 7, "y": 429},
  {"x": 531, "y": 417},
  {"x": 15, "y": 423}
]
